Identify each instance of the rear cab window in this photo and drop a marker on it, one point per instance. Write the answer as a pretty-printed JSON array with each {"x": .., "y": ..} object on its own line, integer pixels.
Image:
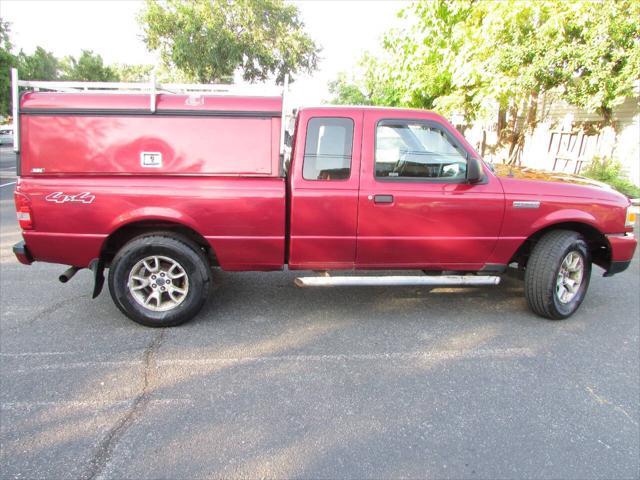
[{"x": 328, "y": 149}]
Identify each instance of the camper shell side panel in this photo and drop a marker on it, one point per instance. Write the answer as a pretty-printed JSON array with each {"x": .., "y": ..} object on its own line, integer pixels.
[{"x": 98, "y": 134}]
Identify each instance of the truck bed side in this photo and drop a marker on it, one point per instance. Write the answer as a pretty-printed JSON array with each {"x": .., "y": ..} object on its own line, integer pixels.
[{"x": 243, "y": 219}]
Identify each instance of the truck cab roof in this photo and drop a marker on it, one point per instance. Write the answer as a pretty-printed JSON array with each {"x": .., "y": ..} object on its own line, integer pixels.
[{"x": 395, "y": 112}]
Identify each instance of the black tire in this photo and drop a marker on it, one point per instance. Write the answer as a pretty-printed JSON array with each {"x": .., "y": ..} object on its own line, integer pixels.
[
  {"x": 180, "y": 250},
  {"x": 543, "y": 269}
]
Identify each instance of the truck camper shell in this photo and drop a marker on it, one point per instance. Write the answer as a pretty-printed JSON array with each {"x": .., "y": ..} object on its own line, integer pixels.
[{"x": 198, "y": 131}]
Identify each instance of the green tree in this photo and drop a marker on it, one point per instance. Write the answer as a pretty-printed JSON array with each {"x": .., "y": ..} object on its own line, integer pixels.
[
  {"x": 143, "y": 73},
  {"x": 87, "y": 67},
  {"x": 40, "y": 65},
  {"x": 415, "y": 67},
  {"x": 345, "y": 91},
  {"x": 209, "y": 40},
  {"x": 466, "y": 56},
  {"x": 375, "y": 84},
  {"x": 585, "y": 53},
  {"x": 606, "y": 40},
  {"x": 7, "y": 61},
  {"x": 132, "y": 73}
]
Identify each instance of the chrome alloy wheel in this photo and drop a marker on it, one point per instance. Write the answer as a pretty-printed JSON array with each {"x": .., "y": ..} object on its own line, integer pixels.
[
  {"x": 158, "y": 283},
  {"x": 570, "y": 277}
]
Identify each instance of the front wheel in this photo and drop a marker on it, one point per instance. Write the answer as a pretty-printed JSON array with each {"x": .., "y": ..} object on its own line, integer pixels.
[
  {"x": 159, "y": 281},
  {"x": 557, "y": 274}
]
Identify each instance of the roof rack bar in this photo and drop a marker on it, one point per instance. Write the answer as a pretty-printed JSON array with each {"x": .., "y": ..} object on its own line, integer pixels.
[
  {"x": 52, "y": 85},
  {"x": 283, "y": 123},
  {"x": 113, "y": 87},
  {"x": 15, "y": 99},
  {"x": 152, "y": 94}
]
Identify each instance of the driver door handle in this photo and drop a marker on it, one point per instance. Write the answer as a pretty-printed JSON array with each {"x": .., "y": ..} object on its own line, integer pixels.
[{"x": 381, "y": 198}]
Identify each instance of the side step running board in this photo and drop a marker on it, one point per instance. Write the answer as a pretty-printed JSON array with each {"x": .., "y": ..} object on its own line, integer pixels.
[{"x": 373, "y": 281}]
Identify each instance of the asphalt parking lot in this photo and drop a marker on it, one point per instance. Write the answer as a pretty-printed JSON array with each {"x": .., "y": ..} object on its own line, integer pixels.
[{"x": 274, "y": 381}]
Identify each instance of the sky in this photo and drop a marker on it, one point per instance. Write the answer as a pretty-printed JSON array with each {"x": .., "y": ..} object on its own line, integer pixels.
[{"x": 343, "y": 28}]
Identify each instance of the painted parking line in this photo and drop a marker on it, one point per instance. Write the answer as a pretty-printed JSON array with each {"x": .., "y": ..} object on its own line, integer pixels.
[{"x": 7, "y": 184}]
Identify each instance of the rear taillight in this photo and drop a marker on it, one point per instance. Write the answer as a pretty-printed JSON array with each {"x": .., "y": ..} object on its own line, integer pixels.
[{"x": 24, "y": 212}]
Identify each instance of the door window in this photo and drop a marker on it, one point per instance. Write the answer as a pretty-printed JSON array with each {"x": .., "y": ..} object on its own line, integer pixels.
[
  {"x": 327, "y": 151},
  {"x": 417, "y": 150}
]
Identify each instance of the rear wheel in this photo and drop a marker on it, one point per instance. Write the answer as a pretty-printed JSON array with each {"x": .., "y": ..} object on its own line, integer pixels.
[
  {"x": 159, "y": 281},
  {"x": 557, "y": 274}
]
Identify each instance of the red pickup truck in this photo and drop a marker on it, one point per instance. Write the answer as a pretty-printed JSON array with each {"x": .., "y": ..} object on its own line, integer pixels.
[{"x": 161, "y": 187}]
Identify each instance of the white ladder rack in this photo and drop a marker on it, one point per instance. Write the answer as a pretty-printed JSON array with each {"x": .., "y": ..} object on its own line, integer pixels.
[{"x": 152, "y": 88}]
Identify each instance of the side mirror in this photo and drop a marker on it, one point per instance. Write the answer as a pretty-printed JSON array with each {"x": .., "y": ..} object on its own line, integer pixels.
[{"x": 474, "y": 170}]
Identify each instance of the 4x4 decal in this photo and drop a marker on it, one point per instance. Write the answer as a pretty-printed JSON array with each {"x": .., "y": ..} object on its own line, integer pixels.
[{"x": 61, "y": 197}]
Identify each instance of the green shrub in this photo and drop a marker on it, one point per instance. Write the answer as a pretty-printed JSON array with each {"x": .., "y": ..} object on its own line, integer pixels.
[{"x": 610, "y": 171}]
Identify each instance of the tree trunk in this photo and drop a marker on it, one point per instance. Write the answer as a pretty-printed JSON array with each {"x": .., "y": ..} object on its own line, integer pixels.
[
  {"x": 509, "y": 133},
  {"x": 529, "y": 125},
  {"x": 514, "y": 132},
  {"x": 533, "y": 111},
  {"x": 502, "y": 120}
]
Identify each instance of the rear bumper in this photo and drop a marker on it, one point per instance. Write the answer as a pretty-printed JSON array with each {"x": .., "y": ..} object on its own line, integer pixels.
[
  {"x": 22, "y": 253},
  {"x": 623, "y": 247}
]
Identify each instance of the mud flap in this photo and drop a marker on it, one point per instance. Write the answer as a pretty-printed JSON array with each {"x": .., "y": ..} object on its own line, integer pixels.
[{"x": 97, "y": 267}]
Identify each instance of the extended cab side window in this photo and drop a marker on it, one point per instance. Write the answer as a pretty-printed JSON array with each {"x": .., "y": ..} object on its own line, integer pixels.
[
  {"x": 327, "y": 151},
  {"x": 417, "y": 150}
]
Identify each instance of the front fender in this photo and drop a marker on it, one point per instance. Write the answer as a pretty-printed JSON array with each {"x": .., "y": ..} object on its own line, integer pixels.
[{"x": 568, "y": 215}]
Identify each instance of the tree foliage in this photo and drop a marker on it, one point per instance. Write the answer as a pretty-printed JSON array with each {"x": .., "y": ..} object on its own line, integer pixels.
[
  {"x": 132, "y": 73},
  {"x": 7, "y": 60},
  {"x": 88, "y": 67},
  {"x": 373, "y": 84},
  {"x": 44, "y": 65},
  {"x": 143, "y": 73},
  {"x": 209, "y": 40},
  {"x": 465, "y": 56},
  {"x": 40, "y": 65}
]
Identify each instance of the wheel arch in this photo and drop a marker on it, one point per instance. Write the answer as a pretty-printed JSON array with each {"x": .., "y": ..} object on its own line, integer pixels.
[
  {"x": 128, "y": 231},
  {"x": 599, "y": 246}
]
